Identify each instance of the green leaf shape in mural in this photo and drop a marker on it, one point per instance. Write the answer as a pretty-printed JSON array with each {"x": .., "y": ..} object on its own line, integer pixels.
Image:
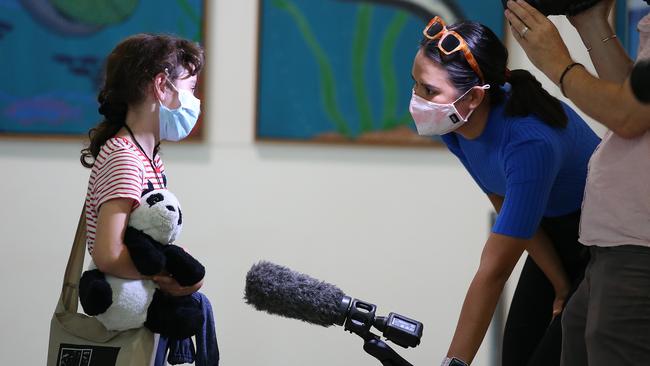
[
  {"x": 96, "y": 12},
  {"x": 405, "y": 120},
  {"x": 193, "y": 16},
  {"x": 328, "y": 83},
  {"x": 359, "y": 54},
  {"x": 389, "y": 118}
]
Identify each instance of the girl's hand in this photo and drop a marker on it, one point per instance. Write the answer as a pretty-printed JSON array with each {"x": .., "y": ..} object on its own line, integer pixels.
[{"x": 169, "y": 285}]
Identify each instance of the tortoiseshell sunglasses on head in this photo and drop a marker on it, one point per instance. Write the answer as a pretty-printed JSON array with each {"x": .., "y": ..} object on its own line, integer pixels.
[{"x": 450, "y": 42}]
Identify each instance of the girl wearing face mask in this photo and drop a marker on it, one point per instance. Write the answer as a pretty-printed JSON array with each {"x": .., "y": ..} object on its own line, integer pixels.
[
  {"x": 147, "y": 96},
  {"x": 528, "y": 152}
]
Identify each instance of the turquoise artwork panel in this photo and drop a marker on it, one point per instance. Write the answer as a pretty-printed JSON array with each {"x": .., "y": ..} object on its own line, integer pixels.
[
  {"x": 52, "y": 54},
  {"x": 340, "y": 70}
]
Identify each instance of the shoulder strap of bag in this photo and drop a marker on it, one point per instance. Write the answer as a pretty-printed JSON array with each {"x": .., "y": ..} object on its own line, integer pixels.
[{"x": 69, "y": 292}]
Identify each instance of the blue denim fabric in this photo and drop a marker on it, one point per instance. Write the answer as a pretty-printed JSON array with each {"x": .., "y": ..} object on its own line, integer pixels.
[
  {"x": 182, "y": 350},
  {"x": 207, "y": 349},
  {"x": 161, "y": 351}
]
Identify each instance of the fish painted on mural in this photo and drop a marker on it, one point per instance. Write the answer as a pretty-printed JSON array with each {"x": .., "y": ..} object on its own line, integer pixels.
[
  {"x": 5, "y": 28},
  {"x": 41, "y": 110},
  {"x": 79, "y": 18},
  {"x": 85, "y": 66}
]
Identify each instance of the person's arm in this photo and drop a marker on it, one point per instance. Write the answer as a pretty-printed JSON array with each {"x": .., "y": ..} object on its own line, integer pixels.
[
  {"x": 109, "y": 253},
  {"x": 611, "y": 103},
  {"x": 607, "y": 54},
  {"x": 499, "y": 257},
  {"x": 170, "y": 285},
  {"x": 543, "y": 253},
  {"x": 111, "y": 256}
]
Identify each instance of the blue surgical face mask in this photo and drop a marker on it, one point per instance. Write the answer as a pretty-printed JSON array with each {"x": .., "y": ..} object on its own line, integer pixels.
[{"x": 176, "y": 124}]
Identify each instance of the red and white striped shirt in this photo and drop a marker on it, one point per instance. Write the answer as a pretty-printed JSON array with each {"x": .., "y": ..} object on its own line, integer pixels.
[{"x": 120, "y": 170}]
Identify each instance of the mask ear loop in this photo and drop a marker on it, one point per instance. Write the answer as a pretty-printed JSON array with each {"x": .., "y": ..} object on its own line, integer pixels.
[
  {"x": 169, "y": 81},
  {"x": 166, "y": 82},
  {"x": 484, "y": 87}
]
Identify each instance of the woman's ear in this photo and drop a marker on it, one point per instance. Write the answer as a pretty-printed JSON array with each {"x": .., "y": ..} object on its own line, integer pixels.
[{"x": 476, "y": 97}]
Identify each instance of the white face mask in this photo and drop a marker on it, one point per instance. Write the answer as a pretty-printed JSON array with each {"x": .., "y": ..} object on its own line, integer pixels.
[
  {"x": 437, "y": 119},
  {"x": 176, "y": 124}
]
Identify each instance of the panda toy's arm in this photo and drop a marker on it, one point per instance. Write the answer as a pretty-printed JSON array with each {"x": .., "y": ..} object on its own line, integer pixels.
[
  {"x": 146, "y": 253},
  {"x": 182, "y": 266}
]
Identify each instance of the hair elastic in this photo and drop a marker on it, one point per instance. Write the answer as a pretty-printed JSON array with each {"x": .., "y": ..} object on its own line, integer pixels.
[{"x": 566, "y": 70}]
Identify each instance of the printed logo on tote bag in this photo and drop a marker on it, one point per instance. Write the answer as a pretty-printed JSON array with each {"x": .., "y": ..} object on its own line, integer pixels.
[{"x": 86, "y": 355}]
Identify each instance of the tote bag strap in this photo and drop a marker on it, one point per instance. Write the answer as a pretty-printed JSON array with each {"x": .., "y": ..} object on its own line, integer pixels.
[{"x": 70, "y": 292}]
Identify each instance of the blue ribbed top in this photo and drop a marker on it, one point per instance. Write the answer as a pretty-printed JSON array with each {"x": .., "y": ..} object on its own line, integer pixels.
[{"x": 540, "y": 170}]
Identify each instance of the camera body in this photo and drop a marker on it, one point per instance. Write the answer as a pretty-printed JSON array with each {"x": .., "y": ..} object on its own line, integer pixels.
[{"x": 559, "y": 7}]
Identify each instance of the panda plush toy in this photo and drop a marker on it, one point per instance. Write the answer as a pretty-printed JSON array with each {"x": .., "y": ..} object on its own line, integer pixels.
[{"x": 122, "y": 304}]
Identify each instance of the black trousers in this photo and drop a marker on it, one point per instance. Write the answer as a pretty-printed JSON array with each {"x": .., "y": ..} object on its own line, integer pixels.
[{"x": 531, "y": 337}]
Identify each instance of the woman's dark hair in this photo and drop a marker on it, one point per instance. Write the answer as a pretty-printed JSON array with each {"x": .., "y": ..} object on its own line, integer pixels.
[
  {"x": 527, "y": 96},
  {"x": 130, "y": 69}
]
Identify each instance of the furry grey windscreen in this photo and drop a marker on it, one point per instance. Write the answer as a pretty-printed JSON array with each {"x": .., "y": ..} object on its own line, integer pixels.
[
  {"x": 281, "y": 291},
  {"x": 639, "y": 81}
]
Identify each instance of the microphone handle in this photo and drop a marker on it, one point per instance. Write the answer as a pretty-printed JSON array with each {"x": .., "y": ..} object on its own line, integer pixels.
[{"x": 383, "y": 352}]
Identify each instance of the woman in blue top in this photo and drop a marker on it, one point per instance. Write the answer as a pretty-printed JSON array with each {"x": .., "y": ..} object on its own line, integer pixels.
[{"x": 528, "y": 152}]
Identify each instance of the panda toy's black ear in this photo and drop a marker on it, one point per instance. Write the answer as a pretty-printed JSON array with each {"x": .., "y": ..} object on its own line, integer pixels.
[{"x": 148, "y": 189}]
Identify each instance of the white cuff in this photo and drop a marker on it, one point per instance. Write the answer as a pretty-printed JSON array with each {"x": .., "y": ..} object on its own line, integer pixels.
[{"x": 453, "y": 361}]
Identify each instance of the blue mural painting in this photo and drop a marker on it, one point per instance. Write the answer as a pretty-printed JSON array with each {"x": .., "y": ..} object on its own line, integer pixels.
[
  {"x": 633, "y": 12},
  {"x": 53, "y": 53},
  {"x": 340, "y": 70}
]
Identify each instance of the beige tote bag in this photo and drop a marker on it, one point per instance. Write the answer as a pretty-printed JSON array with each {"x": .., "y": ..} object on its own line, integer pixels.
[{"x": 80, "y": 340}]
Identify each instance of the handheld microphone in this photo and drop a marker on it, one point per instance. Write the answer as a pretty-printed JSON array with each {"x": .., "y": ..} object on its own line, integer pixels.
[{"x": 280, "y": 291}]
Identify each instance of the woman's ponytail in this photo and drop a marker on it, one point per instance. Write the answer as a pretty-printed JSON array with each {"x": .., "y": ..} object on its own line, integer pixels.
[{"x": 527, "y": 96}]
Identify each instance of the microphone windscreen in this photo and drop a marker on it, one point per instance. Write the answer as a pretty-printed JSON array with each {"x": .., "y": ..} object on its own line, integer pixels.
[
  {"x": 281, "y": 291},
  {"x": 640, "y": 81}
]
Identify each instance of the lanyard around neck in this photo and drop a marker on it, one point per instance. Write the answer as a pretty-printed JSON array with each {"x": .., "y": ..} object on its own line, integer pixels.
[{"x": 153, "y": 166}]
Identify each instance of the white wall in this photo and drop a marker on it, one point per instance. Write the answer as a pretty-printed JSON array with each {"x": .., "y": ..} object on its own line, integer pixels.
[{"x": 402, "y": 228}]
